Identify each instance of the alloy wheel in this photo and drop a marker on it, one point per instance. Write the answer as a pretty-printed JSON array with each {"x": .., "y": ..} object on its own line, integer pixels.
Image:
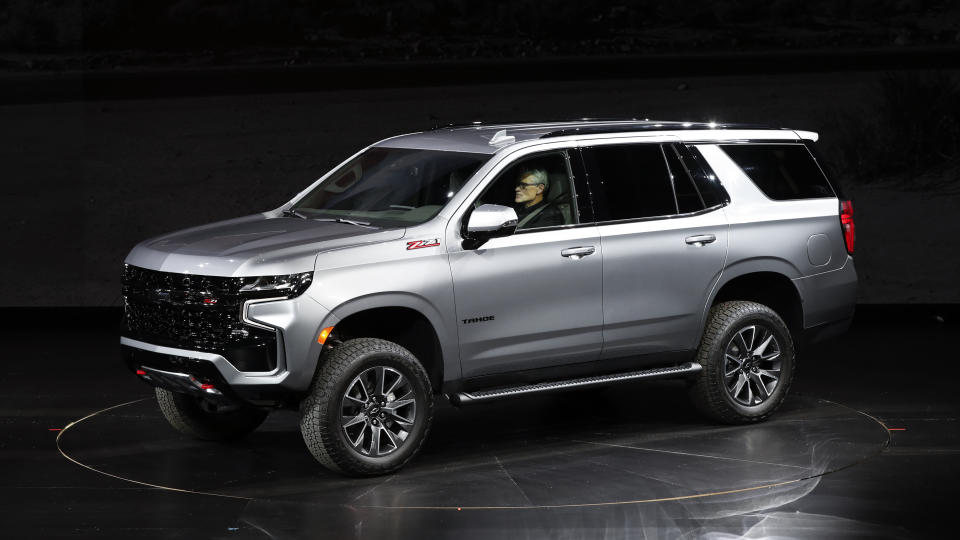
[
  {"x": 751, "y": 365},
  {"x": 378, "y": 411}
]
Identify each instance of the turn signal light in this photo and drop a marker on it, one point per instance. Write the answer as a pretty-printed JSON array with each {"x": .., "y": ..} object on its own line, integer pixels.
[{"x": 324, "y": 334}]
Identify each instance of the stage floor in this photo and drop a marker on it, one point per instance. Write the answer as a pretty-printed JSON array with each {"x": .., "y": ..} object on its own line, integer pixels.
[{"x": 867, "y": 445}]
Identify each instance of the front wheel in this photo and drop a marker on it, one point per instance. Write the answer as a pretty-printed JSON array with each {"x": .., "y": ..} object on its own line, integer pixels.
[
  {"x": 369, "y": 409},
  {"x": 748, "y": 363}
]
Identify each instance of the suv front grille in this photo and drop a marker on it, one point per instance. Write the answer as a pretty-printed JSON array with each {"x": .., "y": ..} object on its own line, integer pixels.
[{"x": 188, "y": 311}]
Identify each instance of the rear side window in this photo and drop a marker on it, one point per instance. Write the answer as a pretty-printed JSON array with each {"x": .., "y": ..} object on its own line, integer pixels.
[
  {"x": 708, "y": 185},
  {"x": 781, "y": 171},
  {"x": 688, "y": 198},
  {"x": 629, "y": 181}
]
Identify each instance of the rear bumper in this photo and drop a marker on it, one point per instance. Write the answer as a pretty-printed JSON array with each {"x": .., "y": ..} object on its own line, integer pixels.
[
  {"x": 825, "y": 331},
  {"x": 830, "y": 296}
]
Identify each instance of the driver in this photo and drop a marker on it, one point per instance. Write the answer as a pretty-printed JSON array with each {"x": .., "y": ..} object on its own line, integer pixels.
[{"x": 532, "y": 210}]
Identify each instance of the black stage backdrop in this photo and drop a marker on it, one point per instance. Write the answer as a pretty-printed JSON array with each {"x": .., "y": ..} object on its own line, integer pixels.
[{"x": 123, "y": 120}]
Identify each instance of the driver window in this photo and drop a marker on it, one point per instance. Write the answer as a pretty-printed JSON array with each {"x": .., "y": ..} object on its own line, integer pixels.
[{"x": 538, "y": 188}]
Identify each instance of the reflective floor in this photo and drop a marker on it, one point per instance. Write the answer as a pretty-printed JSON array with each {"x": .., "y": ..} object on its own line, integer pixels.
[
  {"x": 608, "y": 450},
  {"x": 866, "y": 446}
]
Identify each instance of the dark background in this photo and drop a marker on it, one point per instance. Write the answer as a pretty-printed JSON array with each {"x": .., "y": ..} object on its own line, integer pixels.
[{"x": 122, "y": 120}]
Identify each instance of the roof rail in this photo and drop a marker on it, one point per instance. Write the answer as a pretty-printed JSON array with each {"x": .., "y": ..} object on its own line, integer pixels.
[
  {"x": 485, "y": 123},
  {"x": 647, "y": 126},
  {"x": 450, "y": 125}
]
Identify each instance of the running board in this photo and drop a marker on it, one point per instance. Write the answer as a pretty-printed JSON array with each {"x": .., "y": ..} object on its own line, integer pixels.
[{"x": 462, "y": 398}]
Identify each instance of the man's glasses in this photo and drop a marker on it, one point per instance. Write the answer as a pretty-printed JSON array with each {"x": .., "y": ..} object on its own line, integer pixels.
[{"x": 524, "y": 185}]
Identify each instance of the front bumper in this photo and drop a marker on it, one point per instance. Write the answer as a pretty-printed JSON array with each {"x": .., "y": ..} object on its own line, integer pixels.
[{"x": 296, "y": 322}]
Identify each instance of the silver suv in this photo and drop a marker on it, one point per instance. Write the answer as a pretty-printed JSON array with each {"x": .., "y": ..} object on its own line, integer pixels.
[{"x": 482, "y": 262}]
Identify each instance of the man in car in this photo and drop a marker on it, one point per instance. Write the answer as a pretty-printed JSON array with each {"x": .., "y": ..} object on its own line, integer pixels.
[{"x": 532, "y": 210}]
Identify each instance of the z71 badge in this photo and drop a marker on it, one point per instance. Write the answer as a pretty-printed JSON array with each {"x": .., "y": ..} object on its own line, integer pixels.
[{"x": 417, "y": 244}]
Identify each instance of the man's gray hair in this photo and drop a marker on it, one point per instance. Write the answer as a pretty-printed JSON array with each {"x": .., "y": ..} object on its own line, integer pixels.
[{"x": 540, "y": 175}]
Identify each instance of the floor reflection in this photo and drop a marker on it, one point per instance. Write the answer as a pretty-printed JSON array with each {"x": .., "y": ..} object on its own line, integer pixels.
[{"x": 604, "y": 461}]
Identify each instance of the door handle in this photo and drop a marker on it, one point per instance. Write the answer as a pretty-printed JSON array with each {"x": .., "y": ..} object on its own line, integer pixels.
[
  {"x": 578, "y": 252},
  {"x": 700, "y": 239}
]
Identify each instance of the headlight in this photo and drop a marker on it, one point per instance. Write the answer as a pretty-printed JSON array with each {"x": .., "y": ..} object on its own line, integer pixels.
[{"x": 274, "y": 286}]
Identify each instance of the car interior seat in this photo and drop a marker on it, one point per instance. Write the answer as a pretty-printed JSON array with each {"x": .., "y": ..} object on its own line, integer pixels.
[{"x": 558, "y": 196}]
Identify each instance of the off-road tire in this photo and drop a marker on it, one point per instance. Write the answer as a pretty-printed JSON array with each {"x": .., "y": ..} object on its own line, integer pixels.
[
  {"x": 320, "y": 420},
  {"x": 708, "y": 391},
  {"x": 187, "y": 415}
]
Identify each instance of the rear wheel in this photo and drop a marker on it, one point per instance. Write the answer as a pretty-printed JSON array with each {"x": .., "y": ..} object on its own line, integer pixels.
[
  {"x": 748, "y": 363},
  {"x": 206, "y": 420},
  {"x": 369, "y": 409}
]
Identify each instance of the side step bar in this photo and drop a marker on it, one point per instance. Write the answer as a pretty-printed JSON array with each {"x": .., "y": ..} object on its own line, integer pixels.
[{"x": 463, "y": 398}]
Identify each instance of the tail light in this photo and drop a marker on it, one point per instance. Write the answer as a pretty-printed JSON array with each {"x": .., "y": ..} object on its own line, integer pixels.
[{"x": 846, "y": 223}]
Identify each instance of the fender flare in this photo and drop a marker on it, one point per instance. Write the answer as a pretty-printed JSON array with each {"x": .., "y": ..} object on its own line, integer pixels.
[
  {"x": 753, "y": 265},
  {"x": 446, "y": 333}
]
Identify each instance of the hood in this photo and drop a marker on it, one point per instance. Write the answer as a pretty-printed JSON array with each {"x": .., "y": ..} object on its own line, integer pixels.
[{"x": 251, "y": 246}]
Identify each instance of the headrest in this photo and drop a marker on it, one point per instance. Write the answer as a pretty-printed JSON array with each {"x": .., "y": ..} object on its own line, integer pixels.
[{"x": 559, "y": 186}]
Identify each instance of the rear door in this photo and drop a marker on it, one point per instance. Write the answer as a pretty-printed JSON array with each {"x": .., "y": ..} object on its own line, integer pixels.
[{"x": 663, "y": 245}]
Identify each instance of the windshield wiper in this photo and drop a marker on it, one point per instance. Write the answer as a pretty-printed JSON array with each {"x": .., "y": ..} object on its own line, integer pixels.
[
  {"x": 350, "y": 221},
  {"x": 294, "y": 213}
]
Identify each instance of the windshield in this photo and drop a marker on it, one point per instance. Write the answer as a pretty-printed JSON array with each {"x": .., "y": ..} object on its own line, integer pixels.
[{"x": 391, "y": 187}]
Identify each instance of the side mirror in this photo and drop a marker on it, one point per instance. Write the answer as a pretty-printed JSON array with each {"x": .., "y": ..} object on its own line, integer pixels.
[{"x": 489, "y": 221}]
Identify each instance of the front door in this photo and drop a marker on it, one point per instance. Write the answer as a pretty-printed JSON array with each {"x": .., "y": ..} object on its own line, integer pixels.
[{"x": 534, "y": 299}]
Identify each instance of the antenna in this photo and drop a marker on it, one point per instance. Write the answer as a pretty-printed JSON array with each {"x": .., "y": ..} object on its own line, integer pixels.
[{"x": 501, "y": 137}]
